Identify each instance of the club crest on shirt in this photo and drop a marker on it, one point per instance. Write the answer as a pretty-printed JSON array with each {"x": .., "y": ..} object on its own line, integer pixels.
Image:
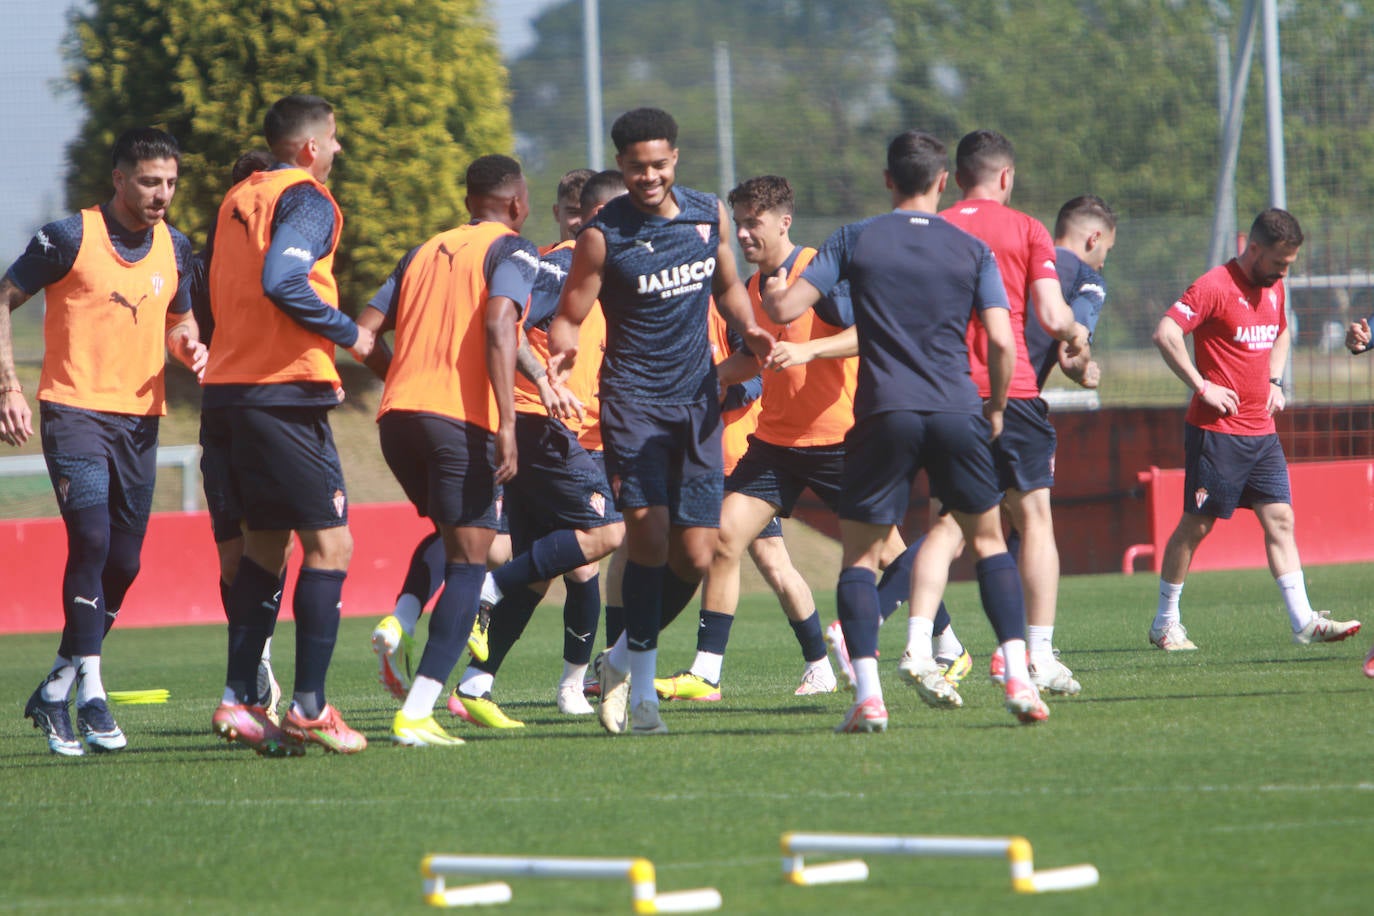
[
  {"x": 339, "y": 502},
  {"x": 1200, "y": 496},
  {"x": 157, "y": 282},
  {"x": 63, "y": 486},
  {"x": 598, "y": 504},
  {"x": 704, "y": 231},
  {"x": 499, "y": 505}
]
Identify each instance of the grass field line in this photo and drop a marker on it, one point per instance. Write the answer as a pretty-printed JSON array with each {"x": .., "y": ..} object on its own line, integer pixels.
[
  {"x": 1289, "y": 825},
  {"x": 687, "y": 797}
]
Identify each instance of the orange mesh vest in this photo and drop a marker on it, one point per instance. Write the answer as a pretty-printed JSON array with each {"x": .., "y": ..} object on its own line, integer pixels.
[
  {"x": 104, "y": 333},
  {"x": 439, "y": 359},
  {"x": 584, "y": 380},
  {"x": 810, "y": 405},
  {"x": 736, "y": 424},
  {"x": 256, "y": 343}
]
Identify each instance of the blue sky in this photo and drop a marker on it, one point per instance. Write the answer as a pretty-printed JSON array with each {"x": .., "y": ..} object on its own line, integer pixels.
[{"x": 39, "y": 121}]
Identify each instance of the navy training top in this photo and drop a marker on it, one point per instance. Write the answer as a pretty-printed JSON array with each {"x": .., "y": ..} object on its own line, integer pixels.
[
  {"x": 914, "y": 280},
  {"x": 1085, "y": 291},
  {"x": 655, "y": 293}
]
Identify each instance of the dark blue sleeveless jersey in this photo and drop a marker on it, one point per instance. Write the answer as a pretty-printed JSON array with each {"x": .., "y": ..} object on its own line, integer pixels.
[
  {"x": 1085, "y": 291},
  {"x": 655, "y": 294},
  {"x": 914, "y": 281}
]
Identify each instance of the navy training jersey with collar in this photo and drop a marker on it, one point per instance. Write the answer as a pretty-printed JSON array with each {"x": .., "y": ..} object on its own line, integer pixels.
[
  {"x": 655, "y": 294},
  {"x": 914, "y": 280},
  {"x": 1085, "y": 290}
]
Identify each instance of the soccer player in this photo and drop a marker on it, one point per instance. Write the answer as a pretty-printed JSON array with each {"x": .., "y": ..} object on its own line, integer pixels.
[
  {"x": 225, "y": 517},
  {"x": 562, "y": 521},
  {"x": 447, "y": 417},
  {"x": 567, "y": 206},
  {"x": 985, "y": 171},
  {"x": 797, "y": 441},
  {"x": 654, "y": 258},
  {"x": 117, "y": 280},
  {"x": 269, "y": 386},
  {"x": 1232, "y": 452},
  {"x": 914, "y": 279}
]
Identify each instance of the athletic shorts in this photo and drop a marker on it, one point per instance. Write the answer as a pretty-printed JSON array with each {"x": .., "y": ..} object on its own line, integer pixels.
[
  {"x": 778, "y": 474},
  {"x": 666, "y": 455},
  {"x": 226, "y": 515},
  {"x": 883, "y": 453},
  {"x": 771, "y": 530},
  {"x": 284, "y": 471},
  {"x": 443, "y": 465},
  {"x": 97, "y": 458},
  {"x": 1222, "y": 471},
  {"x": 1024, "y": 453},
  {"x": 559, "y": 487}
]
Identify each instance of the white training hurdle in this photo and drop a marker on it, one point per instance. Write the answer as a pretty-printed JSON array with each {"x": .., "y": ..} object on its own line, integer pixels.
[
  {"x": 645, "y": 897},
  {"x": 1017, "y": 850}
]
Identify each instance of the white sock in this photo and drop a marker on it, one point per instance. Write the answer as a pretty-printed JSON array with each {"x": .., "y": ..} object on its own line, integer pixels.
[
  {"x": 1041, "y": 640},
  {"x": 58, "y": 685},
  {"x": 918, "y": 630},
  {"x": 619, "y": 656},
  {"x": 573, "y": 674},
  {"x": 267, "y": 650},
  {"x": 1293, "y": 587},
  {"x": 476, "y": 682},
  {"x": 1167, "y": 611},
  {"x": 642, "y": 665},
  {"x": 707, "y": 666},
  {"x": 948, "y": 645},
  {"x": 88, "y": 685},
  {"x": 1014, "y": 652},
  {"x": 424, "y": 693},
  {"x": 866, "y": 677},
  {"x": 491, "y": 592},
  {"x": 407, "y": 613}
]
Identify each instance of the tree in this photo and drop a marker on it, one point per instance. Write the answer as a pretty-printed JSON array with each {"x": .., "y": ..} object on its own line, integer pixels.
[
  {"x": 810, "y": 93},
  {"x": 418, "y": 86}
]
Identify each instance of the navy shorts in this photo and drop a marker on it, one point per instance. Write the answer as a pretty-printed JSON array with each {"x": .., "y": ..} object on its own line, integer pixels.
[
  {"x": 666, "y": 455},
  {"x": 778, "y": 474},
  {"x": 1024, "y": 453},
  {"x": 97, "y": 458},
  {"x": 226, "y": 515},
  {"x": 1223, "y": 471},
  {"x": 884, "y": 451},
  {"x": 443, "y": 465},
  {"x": 559, "y": 487},
  {"x": 771, "y": 530},
  {"x": 284, "y": 471}
]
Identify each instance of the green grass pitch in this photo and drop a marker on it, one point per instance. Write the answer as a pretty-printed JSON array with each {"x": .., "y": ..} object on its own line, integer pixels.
[{"x": 1233, "y": 779}]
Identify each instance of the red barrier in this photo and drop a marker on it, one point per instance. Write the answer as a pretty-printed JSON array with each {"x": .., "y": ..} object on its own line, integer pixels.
[
  {"x": 1333, "y": 501},
  {"x": 178, "y": 583}
]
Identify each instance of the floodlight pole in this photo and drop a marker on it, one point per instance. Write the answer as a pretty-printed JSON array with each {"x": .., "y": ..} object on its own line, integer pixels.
[
  {"x": 1217, "y": 253},
  {"x": 591, "y": 68},
  {"x": 1273, "y": 107}
]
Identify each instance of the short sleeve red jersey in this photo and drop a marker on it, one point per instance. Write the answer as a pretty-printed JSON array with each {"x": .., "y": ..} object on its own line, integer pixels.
[
  {"x": 1234, "y": 325},
  {"x": 1025, "y": 253},
  {"x": 105, "y": 325},
  {"x": 738, "y": 424},
  {"x": 812, "y": 404}
]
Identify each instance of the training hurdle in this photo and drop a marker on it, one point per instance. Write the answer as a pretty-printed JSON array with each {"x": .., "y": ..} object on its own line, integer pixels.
[
  {"x": 645, "y": 897},
  {"x": 1024, "y": 878}
]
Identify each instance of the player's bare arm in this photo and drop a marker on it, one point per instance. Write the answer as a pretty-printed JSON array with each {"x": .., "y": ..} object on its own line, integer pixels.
[
  {"x": 1081, "y": 367},
  {"x": 784, "y": 303},
  {"x": 1169, "y": 339},
  {"x": 183, "y": 342},
  {"x": 502, "y": 326},
  {"x": 16, "y": 419},
  {"x": 737, "y": 367},
  {"x": 379, "y": 360},
  {"x": 580, "y": 292},
  {"x": 1001, "y": 364},
  {"x": 732, "y": 299},
  {"x": 1278, "y": 359},
  {"x": 1055, "y": 316},
  {"x": 788, "y": 353}
]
